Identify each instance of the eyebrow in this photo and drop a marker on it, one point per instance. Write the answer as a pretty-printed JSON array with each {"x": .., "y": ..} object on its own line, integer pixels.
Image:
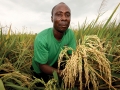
[{"x": 62, "y": 12}]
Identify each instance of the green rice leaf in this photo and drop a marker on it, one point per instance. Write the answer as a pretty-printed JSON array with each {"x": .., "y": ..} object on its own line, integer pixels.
[
  {"x": 104, "y": 27},
  {"x": 1, "y": 85},
  {"x": 15, "y": 86},
  {"x": 116, "y": 75},
  {"x": 55, "y": 76}
]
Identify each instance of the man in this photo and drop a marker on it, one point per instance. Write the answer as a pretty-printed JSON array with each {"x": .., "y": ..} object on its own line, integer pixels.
[{"x": 48, "y": 43}]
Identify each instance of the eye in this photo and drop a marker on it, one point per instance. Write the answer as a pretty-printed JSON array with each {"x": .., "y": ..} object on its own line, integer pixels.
[
  {"x": 67, "y": 14},
  {"x": 59, "y": 14}
]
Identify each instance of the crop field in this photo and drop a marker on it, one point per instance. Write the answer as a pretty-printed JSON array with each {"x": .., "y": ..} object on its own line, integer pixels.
[{"x": 94, "y": 65}]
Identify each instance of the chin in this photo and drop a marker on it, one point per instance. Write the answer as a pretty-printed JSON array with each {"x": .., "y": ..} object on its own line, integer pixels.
[{"x": 63, "y": 30}]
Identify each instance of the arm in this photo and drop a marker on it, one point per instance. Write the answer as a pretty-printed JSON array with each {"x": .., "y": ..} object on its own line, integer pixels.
[
  {"x": 48, "y": 69},
  {"x": 41, "y": 54}
]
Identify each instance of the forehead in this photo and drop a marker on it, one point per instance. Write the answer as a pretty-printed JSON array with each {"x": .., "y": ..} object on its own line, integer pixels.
[{"x": 61, "y": 8}]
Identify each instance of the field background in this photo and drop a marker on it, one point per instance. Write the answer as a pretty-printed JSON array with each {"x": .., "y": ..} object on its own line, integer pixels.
[{"x": 16, "y": 52}]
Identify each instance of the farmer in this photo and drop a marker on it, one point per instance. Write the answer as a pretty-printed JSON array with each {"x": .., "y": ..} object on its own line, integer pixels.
[{"x": 48, "y": 43}]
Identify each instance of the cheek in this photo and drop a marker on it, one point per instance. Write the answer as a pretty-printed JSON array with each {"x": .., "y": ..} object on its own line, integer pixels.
[
  {"x": 56, "y": 21},
  {"x": 69, "y": 19}
]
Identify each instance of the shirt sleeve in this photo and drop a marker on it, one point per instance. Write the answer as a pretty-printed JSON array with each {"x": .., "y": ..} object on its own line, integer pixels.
[{"x": 40, "y": 51}]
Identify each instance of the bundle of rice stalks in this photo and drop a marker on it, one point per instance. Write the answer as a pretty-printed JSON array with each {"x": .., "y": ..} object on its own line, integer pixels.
[
  {"x": 15, "y": 80},
  {"x": 51, "y": 85},
  {"x": 5, "y": 66},
  {"x": 12, "y": 78},
  {"x": 20, "y": 81},
  {"x": 87, "y": 65}
]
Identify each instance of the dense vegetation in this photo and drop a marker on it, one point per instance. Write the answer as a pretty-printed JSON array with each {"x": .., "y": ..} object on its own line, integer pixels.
[{"x": 98, "y": 51}]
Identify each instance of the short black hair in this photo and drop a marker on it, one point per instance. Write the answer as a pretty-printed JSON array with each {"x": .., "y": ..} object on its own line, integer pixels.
[{"x": 55, "y": 6}]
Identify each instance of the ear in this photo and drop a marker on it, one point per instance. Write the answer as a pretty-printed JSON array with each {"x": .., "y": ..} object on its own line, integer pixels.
[{"x": 52, "y": 18}]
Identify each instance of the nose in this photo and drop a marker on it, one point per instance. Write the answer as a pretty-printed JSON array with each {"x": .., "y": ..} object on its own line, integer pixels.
[{"x": 64, "y": 17}]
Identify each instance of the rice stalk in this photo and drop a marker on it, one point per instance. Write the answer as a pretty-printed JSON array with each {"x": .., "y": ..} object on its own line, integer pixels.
[
  {"x": 101, "y": 34},
  {"x": 9, "y": 31},
  {"x": 51, "y": 85},
  {"x": 115, "y": 66},
  {"x": 11, "y": 86},
  {"x": 16, "y": 78},
  {"x": 87, "y": 62},
  {"x": 7, "y": 67}
]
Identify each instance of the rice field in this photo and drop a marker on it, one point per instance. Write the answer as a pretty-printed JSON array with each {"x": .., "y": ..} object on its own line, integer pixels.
[{"x": 95, "y": 65}]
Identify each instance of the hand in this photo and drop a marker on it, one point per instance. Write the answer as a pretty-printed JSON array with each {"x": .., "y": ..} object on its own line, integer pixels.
[{"x": 59, "y": 72}]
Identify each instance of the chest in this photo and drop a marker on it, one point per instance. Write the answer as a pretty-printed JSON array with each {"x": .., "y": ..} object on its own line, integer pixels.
[{"x": 55, "y": 48}]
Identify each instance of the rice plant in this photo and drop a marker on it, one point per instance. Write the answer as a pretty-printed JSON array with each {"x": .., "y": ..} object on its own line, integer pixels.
[
  {"x": 95, "y": 64},
  {"x": 88, "y": 62}
]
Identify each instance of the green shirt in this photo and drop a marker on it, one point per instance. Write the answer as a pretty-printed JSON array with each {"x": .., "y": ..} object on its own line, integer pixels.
[{"x": 47, "y": 48}]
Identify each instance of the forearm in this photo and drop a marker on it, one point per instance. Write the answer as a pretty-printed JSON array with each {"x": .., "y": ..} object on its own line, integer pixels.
[{"x": 48, "y": 69}]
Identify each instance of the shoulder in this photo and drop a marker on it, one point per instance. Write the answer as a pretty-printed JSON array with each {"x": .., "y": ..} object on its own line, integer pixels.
[{"x": 42, "y": 36}]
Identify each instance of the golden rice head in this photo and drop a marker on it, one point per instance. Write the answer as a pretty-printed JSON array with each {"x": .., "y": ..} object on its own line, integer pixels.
[
  {"x": 96, "y": 58},
  {"x": 51, "y": 85},
  {"x": 88, "y": 61},
  {"x": 71, "y": 67},
  {"x": 17, "y": 78}
]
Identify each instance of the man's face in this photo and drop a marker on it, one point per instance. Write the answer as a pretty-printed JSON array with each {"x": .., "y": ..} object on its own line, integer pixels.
[{"x": 61, "y": 18}]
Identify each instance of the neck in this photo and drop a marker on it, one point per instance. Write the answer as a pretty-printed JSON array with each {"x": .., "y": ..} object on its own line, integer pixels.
[{"x": 58, "y": 35}]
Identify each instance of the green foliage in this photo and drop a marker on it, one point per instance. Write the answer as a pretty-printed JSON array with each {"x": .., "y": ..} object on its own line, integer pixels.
[
  {"x": 109, "y": 34},
  {"x": 1, "y": 85},
  {"x": 17, "y": 48},
  {"x": 16, "y": 51}
]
